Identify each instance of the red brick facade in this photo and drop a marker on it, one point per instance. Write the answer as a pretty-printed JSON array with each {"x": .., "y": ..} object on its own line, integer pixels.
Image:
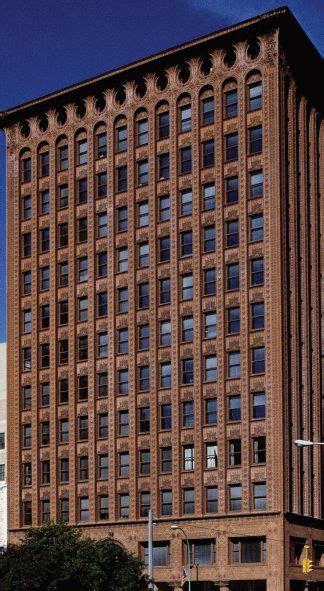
[{"x": 222, "y": 312}]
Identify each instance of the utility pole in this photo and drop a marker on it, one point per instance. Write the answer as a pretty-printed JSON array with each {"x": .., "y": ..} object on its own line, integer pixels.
[{"x": 150, "y": 550}]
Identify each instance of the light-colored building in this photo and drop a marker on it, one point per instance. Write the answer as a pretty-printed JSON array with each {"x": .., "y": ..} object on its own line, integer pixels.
[{"x": 3, "y": 452}]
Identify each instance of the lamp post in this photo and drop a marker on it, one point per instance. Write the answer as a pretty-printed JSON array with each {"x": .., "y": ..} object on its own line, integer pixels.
[
  {"x": 306, "y": 442},
  {"x": 188, "y": 552}
]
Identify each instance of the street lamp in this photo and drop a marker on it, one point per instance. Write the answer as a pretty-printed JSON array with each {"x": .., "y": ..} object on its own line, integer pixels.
[
  {"x": 306, "y": 442},
  {"x": 188, "y": 552}
]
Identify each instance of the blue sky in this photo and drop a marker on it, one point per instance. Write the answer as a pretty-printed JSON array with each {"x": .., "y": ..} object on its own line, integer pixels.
[{"x": 49, "y": 45}]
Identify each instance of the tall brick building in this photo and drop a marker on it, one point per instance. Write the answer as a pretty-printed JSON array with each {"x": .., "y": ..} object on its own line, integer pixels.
[{"x": 164, "y": 306}]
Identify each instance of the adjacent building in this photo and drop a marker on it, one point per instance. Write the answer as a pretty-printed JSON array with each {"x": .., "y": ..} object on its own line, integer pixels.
[
  {"x": 164, "y": 307},
  {"x": 3, "y": 451}
]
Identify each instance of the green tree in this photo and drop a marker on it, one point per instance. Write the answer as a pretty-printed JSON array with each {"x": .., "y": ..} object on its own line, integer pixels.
[{"x": 56, "y": 557}]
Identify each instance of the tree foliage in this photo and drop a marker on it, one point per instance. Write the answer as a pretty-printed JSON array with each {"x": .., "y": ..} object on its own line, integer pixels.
[{"x": 56, "y": 557}]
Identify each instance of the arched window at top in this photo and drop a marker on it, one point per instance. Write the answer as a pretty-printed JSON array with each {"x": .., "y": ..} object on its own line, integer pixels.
[
  {"x": 121, "y": 134},
  {"x": 230, "y": 98},
  {"x": 184, "y": 113},
  {"x": 62, "y": 153},
  {"x": 207, "y": 105},
  {"x": 100, "y": 140},
  {"x": 81, "y": 147},
  {"x": 25, "y": 165},
  {"x": 254, "y": 90},
  {"x": 162, "y": 120},
  {"x": 141, "y": 127},
  {"x": 43, "y": 160}
]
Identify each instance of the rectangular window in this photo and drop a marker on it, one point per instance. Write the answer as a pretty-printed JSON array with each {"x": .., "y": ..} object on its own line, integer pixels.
[
  {"x": 234, "y": 407},
  {"x": 83, "y": 428},
  {"x": 164, "y": 166},
  {"x": 258, "y": 404},
  {"x": 166, "y": 416},
  {"x": 103, "y": 425},
  {"x": 142, "y": 173},
  {"x": 185, "y": 160},
  {"x": 45, "y": 472},
  {"x": 233, "y": 276},
  {"x": 188, "y": 418},
  {"x": 103, "y": 506},
  {"x": 63, "y": 274},
  {"x": 164, "y": 291},
  {"x": 63, "y": 391},
  {"x": 63, "y": 312},
  {"x": 210, "y": 368},
  {"x": 27, "y": 282},
  {"x": 188, "y": 457},
  {"x": 208, "y": 153},
  {"x": 64, "y": 428},
  {"x": 259, "y": 496},
  {"x": 26, "y": 358},
  {"x": 122, "y": 340},
  {"x": 84, "y": 508},
  {"x": 231, "y": 189},
  {"x": 102, "y": 304},
  {"x": 26, "y": 398},
  {"x": 186, "y": 202},
  {"x": 232, "y": 233},
  {"x": 143, "y": 254},
  {"x": 144, "y": 461},
  {"x": 210, "y": 325},
  {"x": 122, "y": 178},
  {"x": 187, "y": 327},
  {"x": 44, "y": 240},
  {"x": 211, "y": 411},
  {"x": 164, "y": 208},
  {"x": 123, "y": 422},
  {"x": 83, "y": 229},
  {"x": 211, "y": 455},
  {"x": 45, "y": 511},
  {"x": 166, "y": 502},
  {"x": 83, "y": 387},
  {"x": 166, "y": 460},
  {"x": 27, "y": 473},
  {"x": 234, "y": 364},
  {"x": 258, "y": 360},
  {"x": 233, "y": 320},
  {"x": 123, "y": 464},
  {"x": 122, "y": 293},
  {"x": 209, "y": 281},
  {"x": 209, "y": 196},
  {"x": 144, "y": 378},
  {"x": 165, "y": 333},
  {"x": 44, "y": 201},
  {"x": 235, "y": 497},
  {"x": 45, "y": 433},
  {"x": 27, "y": 321},
  {"x": 144, "y": 419},
  {"x": 188, "y": 501},
  {"x": 102, "y": 264},
  {"x": 102, "y": 344},
  {"x": 186, "y": 243},
  {"x": 83, "y": 269},
  {"x": 143, "y": 214},
  {"x": 163, "y": 125},
  {"x": 64, "y": 351},
  {"x": 63, "y": 235},
  {"x": 64, "y": 470},
  {"x": 248, "y": 550},
  {"x": 259, "y": 450},
  {"x": 122, "y": 259},
  {"x": 164, "y": 249},
  {"x": 256, "y": 227},
  {"x": 255, "y": 140},
  {"x": 257, "y": 315},
  {"x": 187, "y": 286},
  {"x": 187, "y": 371},
  {"x": 256, "y": 183},
  {"x": 45, "y": 393},
  {"x": 102, "y": 184},
  {"x": 103, "y": 466},
  {"x": 143, "y": 336},
  {"x": 211, "y": 499},
  {"x": 165, "y": 375},
  {"x": 143, "y": 295},
  {"x": 123, "y": 382},
  {"x": 63, "y": 194},
  {"x": 231, "y": 146},
  {"x": 122, "y": 219},
  {"x": 64, "y": 510},
  {"x": 45, "y": 355},
  {"x": 235, "y": 452},
  {"x": 124, "y": 505},
  {"x": 27, "y": 512},
  {"x": 82, "y": 187},
  {"x": 27, "y": 437},
  {"x": 209, "y": 239},
  {"x": 102, "y": 378}
]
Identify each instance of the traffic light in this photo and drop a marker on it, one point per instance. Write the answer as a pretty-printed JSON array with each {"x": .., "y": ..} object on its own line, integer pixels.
[{"x": 307, "y": 566}]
